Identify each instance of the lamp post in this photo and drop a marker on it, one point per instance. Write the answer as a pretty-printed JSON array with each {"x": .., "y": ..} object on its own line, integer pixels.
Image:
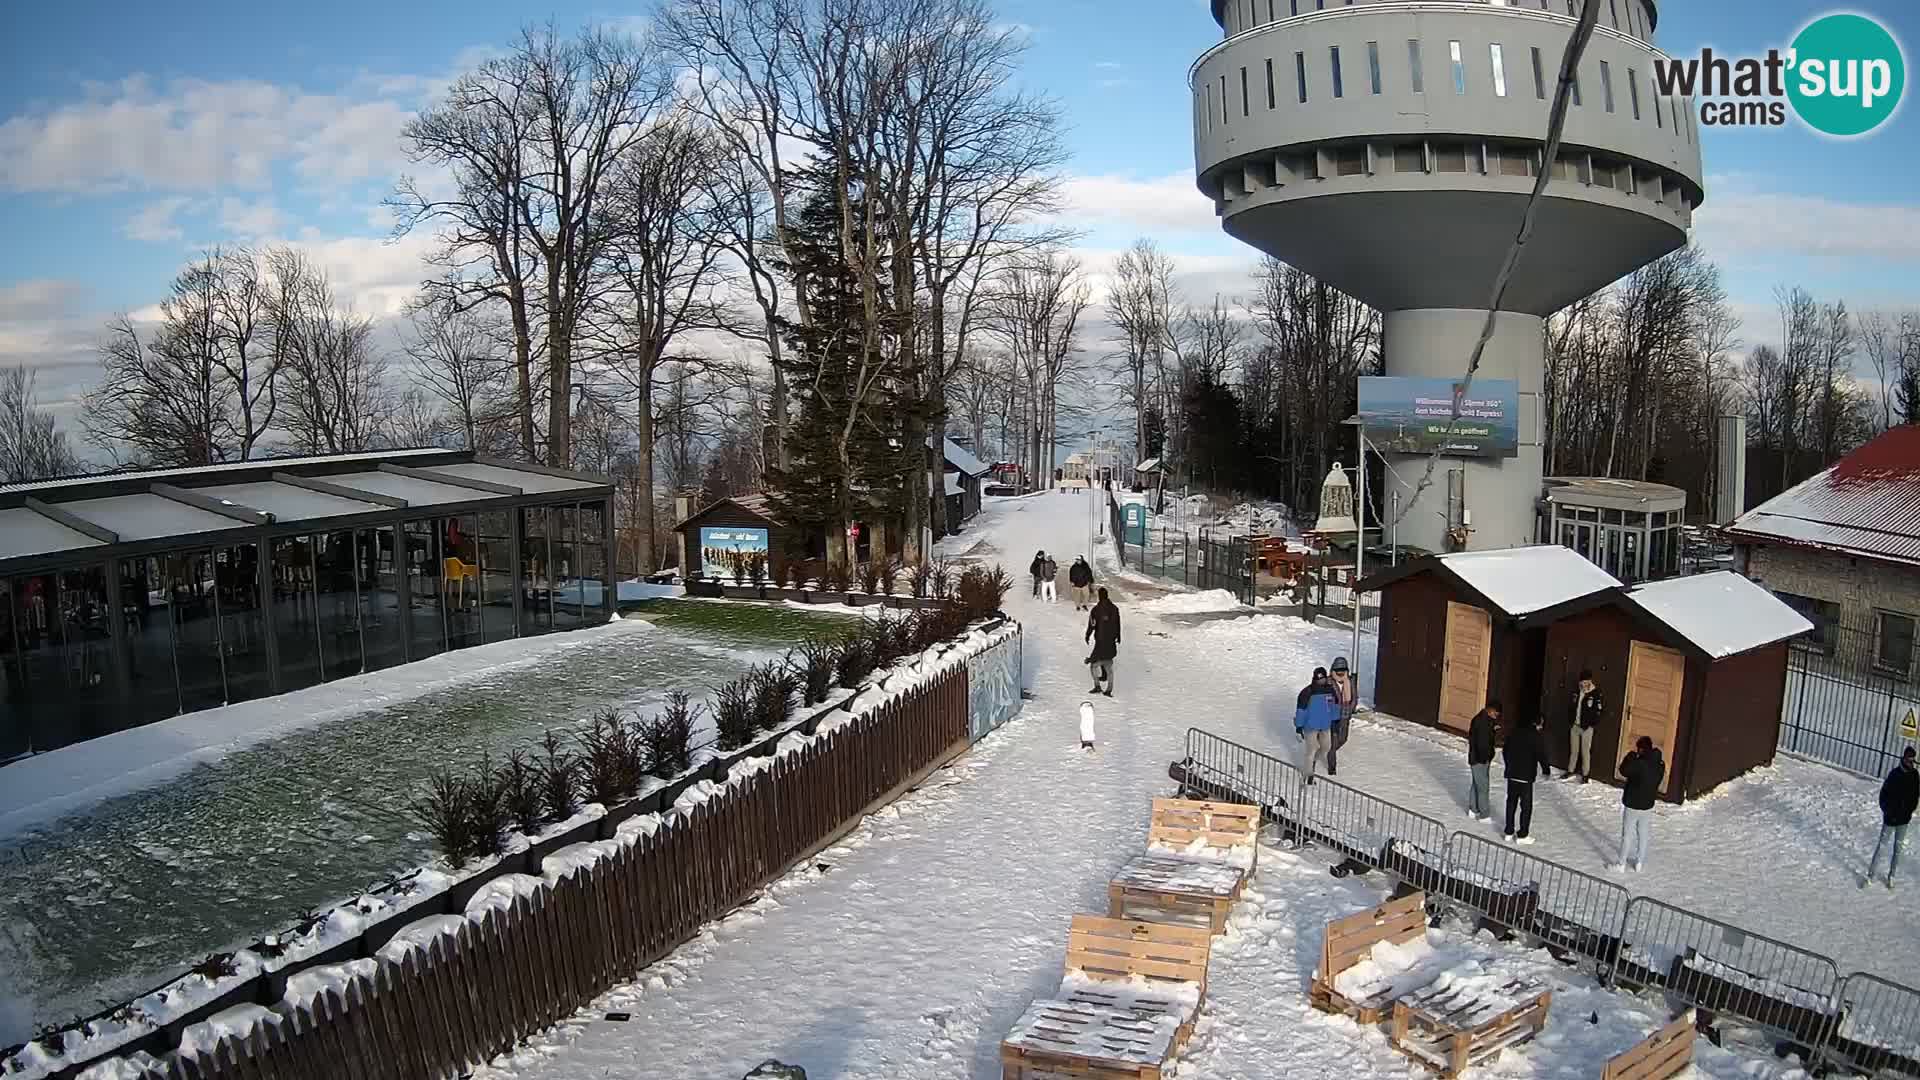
[{"x": 1360, "y": 524}]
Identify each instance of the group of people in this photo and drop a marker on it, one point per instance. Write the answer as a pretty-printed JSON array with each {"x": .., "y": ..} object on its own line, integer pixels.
[
  {"x": 1323, "y": 716},
  {"x": 1046, "y": 573}
]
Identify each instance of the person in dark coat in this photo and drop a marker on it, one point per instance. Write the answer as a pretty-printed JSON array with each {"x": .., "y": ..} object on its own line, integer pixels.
[
  {"x": 1898, "y": 798},
  {"x": 1640, "y": 772},
  {"x": 1345, "y": 691},
  {"x": 1103, "y": 629},
  {"x": 1526, "y": 757},
  {"x": 1080, "y": 576},
  {"x": 1481, "y": 732},
  {"x": 1588, "y": 705},
  {"x": 1038, "y": 567}
]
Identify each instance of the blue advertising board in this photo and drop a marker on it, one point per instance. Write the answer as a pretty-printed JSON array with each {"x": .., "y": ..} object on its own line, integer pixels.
[
  {"x": 724, "y": 547},
  {"x": 1410, "y": 415}
]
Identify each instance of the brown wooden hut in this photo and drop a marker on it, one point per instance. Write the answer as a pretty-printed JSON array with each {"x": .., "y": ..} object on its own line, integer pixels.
[
  {"x": 1697, "y": 664},
  {"x": 736, "y": 524},
  {"x": 1459, "y": 630}
]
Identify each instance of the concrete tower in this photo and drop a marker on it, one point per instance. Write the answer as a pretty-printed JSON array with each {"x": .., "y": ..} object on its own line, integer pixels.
[{"x": 1388, "y": 147}]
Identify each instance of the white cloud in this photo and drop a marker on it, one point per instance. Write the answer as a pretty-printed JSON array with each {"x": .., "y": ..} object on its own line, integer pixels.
[
  {"x": 1740, "y": 217},
  {"x": 1108, "y": 65},
  {"x": 249, "y": 220},
  {"x": 1151, "y": 206},
  {"x": 155, "y": 222}
]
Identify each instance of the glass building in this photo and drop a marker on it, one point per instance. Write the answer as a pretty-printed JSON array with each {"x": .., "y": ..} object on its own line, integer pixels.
[
  {"x": 1629, "y": 528},
  {"x": 132, "y": 597}
]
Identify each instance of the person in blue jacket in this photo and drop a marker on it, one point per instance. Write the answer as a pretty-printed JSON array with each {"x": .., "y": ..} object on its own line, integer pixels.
[{"x": 1314, "y": 715}]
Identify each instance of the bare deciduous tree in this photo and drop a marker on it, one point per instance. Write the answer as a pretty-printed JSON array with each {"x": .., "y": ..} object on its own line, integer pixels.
[
  {"x": 333, "y": 393},
  {"x": 31, "y": 446},
  {"x": 457, "y": 363}
]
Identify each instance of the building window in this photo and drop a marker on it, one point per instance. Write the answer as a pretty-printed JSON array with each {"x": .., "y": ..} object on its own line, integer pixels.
[
  {"x": 1613, "y": 12},
  {"x": 1657, "y": 120},
  {"x": 1319, "y": 5},
  {"x": 1373, "y": 65},
  {"x": 1245, "y": 109},
  {"x": 1459, "y": 67},
  {"x": 1499, "y": 72},
  {"x": 1450, "y": 158},
  {"x": 1413, "y": 62},
  {"x": 1893, "y": 643},
  {"x": 1677, "y": 125},
  {"x": 1410, "y": 158},
  {"x": 1576, "y": 86},
  {"x": 1606, "y": 84},
  {"x": 1209, "y": 108},
  {"x": 1633, "y": 91},
  {"x": 1539, "y": 83},
  {"x": 1223, "y": 101},
  {"x": 1300, "y": 73},
  {"x": 1296, "y": 6},
  {"x": 1269, "y": 83},
  {"x": 1269, "y": 10},
  {"x": 1823, "y": 614},
  {"x": 1350, "y": 161},
  {"x": 1516, "y": 161},
  {"x": 1333, "y": 61}
]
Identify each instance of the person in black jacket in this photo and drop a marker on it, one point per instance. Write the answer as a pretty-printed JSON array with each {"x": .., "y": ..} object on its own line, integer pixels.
[
  {"x": 1037, "y": 568},
  {"x": 1103, "y": 629},
  {"x": 1640, "y": 772},
  {"x": 1588, "y": 705},
  {"x": 1526, "y": 756},
  {"x": 1480, "y": 736},
  {"x": 1898, "y": 797},
  {"x": 1080, "y": 576}
]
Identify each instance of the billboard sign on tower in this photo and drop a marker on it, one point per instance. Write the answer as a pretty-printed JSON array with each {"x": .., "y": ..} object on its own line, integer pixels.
[{"x": 1407, "y": 415}]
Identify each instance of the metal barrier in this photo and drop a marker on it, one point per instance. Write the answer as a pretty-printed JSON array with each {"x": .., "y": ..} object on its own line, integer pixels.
[
  {"x": 1240, "y": 773},
  {"x": 1570, "y": 910},
  {"x": 1721, "y": 968},
  {"x": 1368, "y": 829},
  {"x": 1879, "y": 1028}
]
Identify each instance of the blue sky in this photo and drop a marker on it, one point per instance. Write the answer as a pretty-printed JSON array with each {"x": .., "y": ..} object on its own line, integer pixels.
[{"x": 131, "y": 134}]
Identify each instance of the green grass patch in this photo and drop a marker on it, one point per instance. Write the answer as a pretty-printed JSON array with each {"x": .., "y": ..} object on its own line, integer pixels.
[{"x": 743, "y": 621}]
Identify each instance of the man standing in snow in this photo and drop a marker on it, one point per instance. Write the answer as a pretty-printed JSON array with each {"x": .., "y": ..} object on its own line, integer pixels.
[
  {"x": 1642, "y": 771},
  {"x": 1526, "y": 755},
  {"x": 1103, "y": 629},
  {"x": 1898, "y": 797},
  {"x": 1314, "y": 713},
  {"x": 1587, "y": 706},
  {"x": 1343, "y": 692},
  {"x": 1039, "y": 565},
  {"x": 1049, "y": 575},
  {"x": 1080, "y": 576},
  {"x": 1480, "y": 736}
]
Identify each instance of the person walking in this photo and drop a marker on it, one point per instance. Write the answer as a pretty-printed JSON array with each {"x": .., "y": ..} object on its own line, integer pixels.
[
  {"x": 1898, "y": 798},
  {"x": 1526, "y": 755},
  {"x": 1080, "y": 576},
  {"x": 1641, "y": 770},
  {"x": 1587, "y": 707},
  {"x": 1039, "y": 564},
  {"x": 1103, "y": 629},
  {"x": 1049, "y": 576},
  {"x": 1315, "y": 712},
  {"x": 1343, "y": 691},
  {"x": 1481, "y": 732}
]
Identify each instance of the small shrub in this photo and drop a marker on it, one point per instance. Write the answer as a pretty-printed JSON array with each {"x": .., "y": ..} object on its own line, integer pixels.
[
  {"x": 667, "y": 740},
  {"x": 923, "y": 629},
  {"x": 559, "y": 791},
  {"x": 854, "y": 659},
  {"x": 814, "y": 666},
  {"x": 443, "y": 810},
  {"x": 487, "y": 816},
  {"x": 885, "y": 641},
  {"x": 218, "y": 965},
  {"x": 520, "y": 786},
  {"x": 837, "y": 577},
  {"x": 921, "y": 578},
  {"x": 889, "y": 576},
  {"x": 870, "y": 577},
  {"x": 734, "y": 713},
  {"x": 983, "y": 591},
  {"x": 940, "y": 578},
  {"x": 757, "y": 569},
  {"x": 773, "y": 690},
  {"x": 612, "y": 762}
]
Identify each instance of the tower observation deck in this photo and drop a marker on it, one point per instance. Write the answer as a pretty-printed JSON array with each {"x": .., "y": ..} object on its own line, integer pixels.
[{"x": 1388, "y": 147}]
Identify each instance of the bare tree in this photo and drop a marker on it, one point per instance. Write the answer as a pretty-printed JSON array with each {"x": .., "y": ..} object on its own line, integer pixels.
[
  {"x": 1140, "y": 307},
  {"x": 31, "y": 446},
  {"x": 417, "y": 419},
  {"x": 1880, "y": 340},
  {"x": 456, "y": 362},
  {"x": 161, "y": 398},
  {"x": 333, "y": 392},
  {"x": 1037, "y": 312}
]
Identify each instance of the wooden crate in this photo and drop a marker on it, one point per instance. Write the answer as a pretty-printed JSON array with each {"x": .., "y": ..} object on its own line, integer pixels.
[
  {"x": 1448, "y": 1029},
  {"x": 1168, "y": 889},
  {"x": 1349, "y": 940},
  {"x": 1066, "y": 1039},
  {"x": 1109, "y": 960},
  {"x": 1228, "y": 831},
  {"x": 1667, "y": 1052}
]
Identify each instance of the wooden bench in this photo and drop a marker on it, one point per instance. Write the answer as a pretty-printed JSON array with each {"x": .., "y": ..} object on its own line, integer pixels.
[
  {"x": 1198, "y": 859},
  {"x": 1350, "y": 940},
  {"x": 1666, "y": 1052},
  {"x": 1449, "y": 1028},
  {"x": 1065, "y": 1039}
]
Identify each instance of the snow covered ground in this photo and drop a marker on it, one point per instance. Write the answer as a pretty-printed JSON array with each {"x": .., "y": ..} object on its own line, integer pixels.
[{"x": 909, "y": 949}]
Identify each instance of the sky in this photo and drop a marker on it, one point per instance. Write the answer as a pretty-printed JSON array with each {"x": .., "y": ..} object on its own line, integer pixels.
[{"x": 133, "y": 135}]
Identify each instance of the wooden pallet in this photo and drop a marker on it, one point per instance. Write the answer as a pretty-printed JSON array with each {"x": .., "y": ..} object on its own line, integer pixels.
[
  {"x": 1183, "y": 892},
  {"x": 1667, "y": 1052},
  {"x": 1229, "y": 831},
  {"x": 1065, "y": 1039},
  {"x": 1449, "y": 1029},
  {"x": 1149, "y": 969},
  {"x": 1349, "y": 940}
]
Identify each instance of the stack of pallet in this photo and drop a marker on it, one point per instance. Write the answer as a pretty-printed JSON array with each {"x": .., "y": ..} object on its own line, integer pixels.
[{"x": 1133, "y": 987}]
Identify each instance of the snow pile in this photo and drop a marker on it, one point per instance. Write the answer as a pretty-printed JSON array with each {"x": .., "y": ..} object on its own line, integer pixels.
[
  {"x": 139, "y": 1065},
  {"x": 235, "y": 1023},
  {"x": 1722, "y": 612},
  {"x": 1522, "y": 580},
  {"x": 1180, "y": 875},
  {"x": 1193, "y": 603},
  {"x": 574, "y": 858},
  {"x": 1198, "y": 850},
  {"x": 1136, "y": 993},
  {"x": 417, "y": 935},
  {"x": 1391, "y": 970},
  {"x": 303, "y": 988},
  {"x": 500, "y": 893}
]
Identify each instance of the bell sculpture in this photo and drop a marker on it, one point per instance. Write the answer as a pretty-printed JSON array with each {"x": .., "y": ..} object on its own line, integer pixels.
[{"x": 1336, "y": 505}]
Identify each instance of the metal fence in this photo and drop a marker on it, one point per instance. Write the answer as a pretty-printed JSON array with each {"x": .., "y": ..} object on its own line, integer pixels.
[
  {"x": 1863, "y": 1021},
  {"x": 1203, "y": 562},
  {"x": 1846, "y": 704}
]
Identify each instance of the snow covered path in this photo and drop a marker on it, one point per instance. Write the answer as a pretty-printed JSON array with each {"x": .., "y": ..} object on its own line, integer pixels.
[{"x": 909, "y": 950}]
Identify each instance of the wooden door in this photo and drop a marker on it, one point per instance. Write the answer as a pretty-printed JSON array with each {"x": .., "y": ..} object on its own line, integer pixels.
[
  {"x": 1655, "y": 678},
  {"x": 1463, "y": 674}
]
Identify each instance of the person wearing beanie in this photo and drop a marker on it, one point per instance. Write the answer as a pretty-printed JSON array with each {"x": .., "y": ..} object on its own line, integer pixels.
[
  {"x": 1588, "y": 705},
  {"x": 1314, "y": 714},
  {"x": 1344, "y": 692},
  {"x": 1080, "y": 576},
  {"x": 1640, "y": 772},
  {"x": 1037, "y": 568},
  {"x": 1898, "y": 799}
]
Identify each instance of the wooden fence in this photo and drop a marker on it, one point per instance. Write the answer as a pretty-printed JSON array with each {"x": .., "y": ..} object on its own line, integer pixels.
[{"x": 450, "y": 1004}]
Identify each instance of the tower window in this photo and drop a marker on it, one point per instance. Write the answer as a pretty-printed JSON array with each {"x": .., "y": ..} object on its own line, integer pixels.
[
  {"x": 1209, "y": 108},
  {"x": 1373, "y": 64},
  {"x": 1613, "y": 12},
  {"x": 1333, "y": 60},
  {"x": 1450, "y": 158},
  {"x": 1576, "y": 86},
  {"x": 1269, "y": 82},
  {"x": 1459, "y": 67},
  {"x": 1499, "y": 72},
  {"x": 1300, "y": 73},
  {"x": 1223, "y": 101},
  {"x": 1657, "y": 121},
  {"x": 1295, "y": 4},
  {"x": 1410, "y": 158},
  {"x": 1350, "y": 161},
  {"x": 1606, "y": 84},
  {"x": 1244, "y": 107},
  {"x": 1413, "y": 64},
  {"x": 1633, "y": 91},
  {"x": 1539, "y": 83}
]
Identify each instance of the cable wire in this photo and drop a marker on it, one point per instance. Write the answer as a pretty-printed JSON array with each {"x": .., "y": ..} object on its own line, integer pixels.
[{"x": 1562, "y": 94}]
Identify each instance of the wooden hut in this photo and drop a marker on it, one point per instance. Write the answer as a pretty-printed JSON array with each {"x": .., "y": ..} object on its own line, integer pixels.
[
  {"x": 1697, "y": 664},
  {"x": 729, "y": 528},
  {"x": 1459, "y": 630}
]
